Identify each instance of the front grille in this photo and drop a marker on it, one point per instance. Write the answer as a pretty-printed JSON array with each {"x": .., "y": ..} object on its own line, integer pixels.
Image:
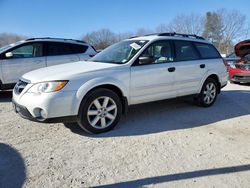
[
  {"x": 243, "y": 66},
  {"x": 19, "y": 87}
]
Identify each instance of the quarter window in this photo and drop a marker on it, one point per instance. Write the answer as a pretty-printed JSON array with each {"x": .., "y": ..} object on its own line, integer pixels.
[
  {"x": 160, "y": 52},
  {"x": 60, "y": 48},
  {"x": 185, "y": 51},
  {"x": 29, "y": 50},
  {"x": 207, "y": 50}
]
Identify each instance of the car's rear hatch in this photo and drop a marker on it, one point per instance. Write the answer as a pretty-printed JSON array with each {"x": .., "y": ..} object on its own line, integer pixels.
[{"x": 242, "y": 49}]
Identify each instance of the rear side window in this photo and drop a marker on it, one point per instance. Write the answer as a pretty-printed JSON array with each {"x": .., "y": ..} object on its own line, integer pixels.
[
  {"x": 77, "y": 49},
  {"x": 207, "y": 50},
  {"x": 59, "y": 48},
  {"x": 185, "y": 51}
]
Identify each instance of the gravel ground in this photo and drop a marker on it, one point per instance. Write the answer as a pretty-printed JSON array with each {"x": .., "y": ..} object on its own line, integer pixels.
[{"x": 163, "y": 144}]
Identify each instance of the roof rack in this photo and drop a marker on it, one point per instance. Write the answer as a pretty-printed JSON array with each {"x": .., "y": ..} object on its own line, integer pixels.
[
  {"x": 181, "y": 35},
  {"x": 172, "y": 34},
  {"x": 144, "y": 35},
  {"x": 30, "y": 39}
]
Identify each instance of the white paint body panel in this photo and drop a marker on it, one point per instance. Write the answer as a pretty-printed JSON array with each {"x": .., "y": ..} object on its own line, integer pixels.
[
  {"x": 12, "y": 69},
  {"x": 139, "y": 84}
]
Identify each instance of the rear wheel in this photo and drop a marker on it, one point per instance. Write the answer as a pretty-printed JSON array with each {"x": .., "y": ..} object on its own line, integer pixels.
[
  {"x": 100, "y": 111},
  {"x": 208, "y": 93}
]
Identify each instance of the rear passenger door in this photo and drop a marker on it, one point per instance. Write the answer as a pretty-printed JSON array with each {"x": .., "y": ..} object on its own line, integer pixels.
[
  {"x": 60, "y": 52},
  {"x": 190, "y": 68}
]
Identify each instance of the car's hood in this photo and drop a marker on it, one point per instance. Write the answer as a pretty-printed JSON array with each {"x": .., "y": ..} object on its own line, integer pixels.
[
  {"x": 242, "y": 49},
  {"x": 65, "y": 71}
]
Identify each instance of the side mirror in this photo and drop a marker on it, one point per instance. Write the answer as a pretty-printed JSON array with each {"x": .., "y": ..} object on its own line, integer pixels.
[
  {"x": 9, "y": 55},
  {"x": 145, "y": 60}
]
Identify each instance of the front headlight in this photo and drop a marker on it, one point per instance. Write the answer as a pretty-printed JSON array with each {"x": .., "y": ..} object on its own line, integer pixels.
[{"x": 47, "y": 87}]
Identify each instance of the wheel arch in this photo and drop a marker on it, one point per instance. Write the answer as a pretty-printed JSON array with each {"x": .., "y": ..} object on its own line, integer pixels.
[
  {"x": 116, "y": 90},
  {"x": 213, "y": 76},
  {"x": 116, "y": 87}
]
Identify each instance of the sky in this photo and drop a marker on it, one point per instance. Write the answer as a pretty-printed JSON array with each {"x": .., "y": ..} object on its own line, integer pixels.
[{"x": 74, "y": 18}]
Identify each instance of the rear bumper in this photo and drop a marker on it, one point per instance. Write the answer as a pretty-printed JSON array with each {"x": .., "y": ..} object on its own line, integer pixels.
[{"x": 24, "y": 113}]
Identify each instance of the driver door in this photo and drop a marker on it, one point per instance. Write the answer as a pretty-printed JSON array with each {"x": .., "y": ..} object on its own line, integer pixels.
[{"x": 154, "y": 81}]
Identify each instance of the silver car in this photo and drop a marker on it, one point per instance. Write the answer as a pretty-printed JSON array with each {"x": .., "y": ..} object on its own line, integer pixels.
[{"x": 34, "y": 53}]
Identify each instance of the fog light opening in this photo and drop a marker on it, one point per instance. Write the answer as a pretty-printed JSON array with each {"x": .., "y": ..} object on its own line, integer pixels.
[
  {"x": 43, "y": 114},
  {"x": 40, "y": 113}
]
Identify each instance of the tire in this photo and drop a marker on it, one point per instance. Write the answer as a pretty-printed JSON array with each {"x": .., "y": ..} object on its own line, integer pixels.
[
  {"x": 208, "y": 94},
  {"x": 100, "y": 111}
]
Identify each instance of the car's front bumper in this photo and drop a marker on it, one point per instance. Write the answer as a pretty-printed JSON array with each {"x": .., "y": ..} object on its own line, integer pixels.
[
  {"x": 46, "y": 107},
  {"x": 238, "y": 75},
  {"x": 24, "y": 113}
]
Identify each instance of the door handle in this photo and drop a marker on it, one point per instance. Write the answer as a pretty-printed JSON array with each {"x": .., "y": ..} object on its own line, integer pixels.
[
  {"x": 202, "y": 66},
  {"x": 171, "y": 69}
]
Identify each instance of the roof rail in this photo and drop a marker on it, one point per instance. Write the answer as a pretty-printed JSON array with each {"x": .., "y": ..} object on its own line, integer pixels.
[
  {"x": 133, "y": 37},
  {"x": 172, "y": 34},
  {"x": 30, "y": 39},
  {"x": 151, "y": 34},
  {"x": 181, "y": 35}
]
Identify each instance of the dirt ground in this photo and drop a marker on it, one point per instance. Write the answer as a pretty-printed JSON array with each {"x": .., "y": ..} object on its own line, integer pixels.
[{"x": 163, "y": 144}]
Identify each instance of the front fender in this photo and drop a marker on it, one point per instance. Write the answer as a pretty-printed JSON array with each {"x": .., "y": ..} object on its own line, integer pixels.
[{"x": 96, "y": 82}]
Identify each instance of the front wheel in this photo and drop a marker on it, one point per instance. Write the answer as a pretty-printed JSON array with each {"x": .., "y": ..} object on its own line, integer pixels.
[
  {"x": 100, "y": 111},
  {"x": 208, "y": 93}
]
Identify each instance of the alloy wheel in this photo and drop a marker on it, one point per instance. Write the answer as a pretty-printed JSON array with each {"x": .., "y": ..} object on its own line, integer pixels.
[
  {"x": 209, "y": 93},
  {"x": 102, "y": 112}
]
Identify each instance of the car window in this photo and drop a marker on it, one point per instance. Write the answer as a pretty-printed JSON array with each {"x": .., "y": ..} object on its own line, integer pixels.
[
  {"x": 119, "y": 53},
  {"x": 77, "y": 49},
  {"x": 185, "y": 51},
  {"x": 207, "y": 50},
  {"x": 29, "y": 50},
  {"x": 160, "y": 52},
  {"x": 60, "y": 48}
]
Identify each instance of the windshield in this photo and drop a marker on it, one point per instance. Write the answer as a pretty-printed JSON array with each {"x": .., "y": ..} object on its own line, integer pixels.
[
  {"x": 3, "y": 48},
  {"x": 119, "y": 53}
]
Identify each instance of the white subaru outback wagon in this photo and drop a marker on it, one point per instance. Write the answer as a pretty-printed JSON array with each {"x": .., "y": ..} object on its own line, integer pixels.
[{"x": 138, "y": 70}]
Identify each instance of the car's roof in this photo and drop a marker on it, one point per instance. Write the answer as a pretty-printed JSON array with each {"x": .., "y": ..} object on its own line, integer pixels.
[
  {"x": 56, "y": 40},
  {"x": 47, "y": 39},
  {"x": 173, "y": 36}
]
